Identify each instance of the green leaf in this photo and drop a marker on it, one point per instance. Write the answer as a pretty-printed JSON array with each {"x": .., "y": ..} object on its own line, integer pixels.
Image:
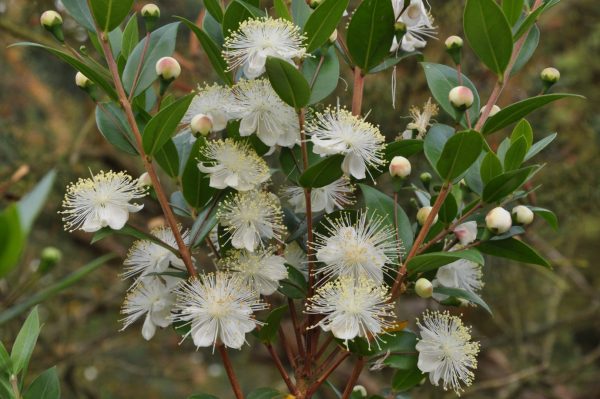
[
  {"x": 504, "y": 184},
  {"x": 528, "y": 22},
  {"x": 441, "y": 79},
  {"x": 281, "y": 9},
  {"x": 522, "y": 129},
  {"x": 404, "y": 148},
  {"x": 203, "y": 225},
  {"x": 395, "y": 341},
  {"x": 327, "y": 77},
  {"x": 162, "y": 126},
  {"x": 268, "y": 332},
  {"x": 236, "y": 13},
  {"x": 459, "y": 153},
  {"x": 12, "y": 239},
  {"x": 513, "y": 249},
  {"x": 539, "y": 146},
  {"x": 295, "y": 285},
  {"x": 25, "y": 342},
  {"x": 322, "y": 22},
  {"x": 93, "y": 73},
  {"x": 325, "y": 171},
  {"x": 80, "y": 12},
  {"x": 45, "y": 386},
  {"x": 194, "y": 183},
  {"x": 168, "y": 159},
  {"x": 434, "y": 142},
  {"x": 32, "y": 203},
  {"x": 289, "y": 83},
  {"x": 518, "y": 110},
  {"x": 391, "y": 61},
  {"x": 131, "y": 36},
  {"x": 490, "y": 167},
  {"x": 382, "y": 204},
  {"x": 488, "y": 33},
  {"x": 300, "y": 12},
  {"x": 460, "y": 293},
  {"x": 202, "y": 396},
  {"x": 512, "y": 10},
  {"x": 161, "y": 44},
  {"x": 403, "y": 380},
  {"x": 214, "y": 8},
  {"x": 527, "y": 50},
  {"x": 264, "y": 393},
  {"x": 547, "y": 215},
  {"x": 112, "y": 124},
  {"x": 5, "y": 362},
  {"x": 448, "y": 210},
  {"x": 435, "y": 260},
  {"x": 110, "y": 13},
  {"x": 516, "y": 154},
  {"x": 212, "y": 51},
  {"x": 370, "y": 33}
]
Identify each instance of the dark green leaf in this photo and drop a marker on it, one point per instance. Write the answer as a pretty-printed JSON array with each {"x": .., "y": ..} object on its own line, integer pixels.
[
  {"x": 281, "y": 9},
  {"x": 404, "y": 380},
  {"x": 404, "y": 148},
  {"x": 236, "y": 13},
  {"x": 194, "y": 183},
  {"x": 513, "y": 249},
  {"x": 512, "y": 10},
  {"x": 516, "y": 154},
  {"x": 522, "y": 129},
  {"x": 295, "y": 285},
  {"x": 459, "y": 153},
  {"x": 370, "y": 33},
  {"x": 45, "y": 386},
  {"x": 264, "y": 393},
  {"x": 25, "y": 342},
  {"x": 289, "y": 83},
  {"x": 5, "y": 362},
  {"x": 168, "y": 159},
  {"x": 488, "y": 33},
  {"x": 395, "y": 342},
  {"x": 203, "y": 225},
  {"x": 327, "y": 77},
  {"x": 322, "y": 173},
  {"x": 490, "y": 167},
  {"x": 214, "y": 8},
  {"x": 322, "y": 22},
  {"x": 518, "y": 110},
  {"x": 460, "y": 293},
  {"x": 112, "y": 124},
  {"x": 529, "y": 47},
  {"x": 110, "y": 13},
  {"x": 547, "y": 215},
  {"x": 527, "y": 23},
  {"x": 390, "y": 62},
  {"x": 162, "y": 126},
  {"x": 12, "y": 239},
  {"x": 268, "y": 331},
  {"x": 131, "y": 36},
  {"x": 504, "y": 184},
  {"x": 448, "y": 210},
  {"x": 80, "y": 12},
  {"x": 434, "y": 260},
  {"x": 473, "y": 177},
  {"x": 161, "y": 44},
  {"x": 539, "y": 146},
  {"x": 434, "y": 142},
  {"x": 441, "y": 79}
]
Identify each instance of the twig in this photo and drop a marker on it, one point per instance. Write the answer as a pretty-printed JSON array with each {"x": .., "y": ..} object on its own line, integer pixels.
[
  {"x": 323, "y": 377},
  {"x": 282, "y": 371},
  {"x": 235, "y": 385},
  {"x": 358, "y": 367},
  {"x": 357, "y": 94}
]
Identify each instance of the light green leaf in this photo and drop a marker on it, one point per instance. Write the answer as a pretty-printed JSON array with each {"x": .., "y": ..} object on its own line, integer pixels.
[
  {"x": 131, "y": 36},
  {"x": 322, "y": 22},
  {"x": 281, "y": 9},
  {"x": 45, "y": 386},
  {"x": 522, "y": 129},
  {"x": 539, "y": 146},
  {"x": 112, "y": 124},
  {"x": 110, "y": 13},
  {"x": 300, "y": 12},
  {"x": 327, "y": 77},
  {"x": 490, "y": 167},
  {"x": 33, "y": 202},
  {"x": 529, "y": 47},
  {"x": 516, "y": 154},
  {"x": 80, "y": 12},
  {"x": 25, "y": 342},
  {"x": 12, "y": 239}
]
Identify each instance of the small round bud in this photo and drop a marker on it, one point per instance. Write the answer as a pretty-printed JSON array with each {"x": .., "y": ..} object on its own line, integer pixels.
[
  {"x": 49, "y": 257},
  {"x": 82, "y": 81},
  {"x": 425, "y": 177},
  {"x": 400, "y": 167},
  {"x": 423, "y": 214},
  {"x": 522, "y": 215},
  {"x": 333, "y": 36},
  {"x": 550, "y": 75},
  {"x": 424, "y": 288},
  {"x": 168, "y": 68},
  {"x": 50, "y": 19},
  {"x": 362, "y": 391},
  {"x": 315, "y": 3},
  {"x": 151, "y": 10},
  {"x": 461, "y": 97},
  {"x": 144, "y": 180},
  {"x": 494, "y": 111},
  {"x": 201, "y": 124},
  {"x": 498, "y": 220},
  {"x": 453, "y": 42}
]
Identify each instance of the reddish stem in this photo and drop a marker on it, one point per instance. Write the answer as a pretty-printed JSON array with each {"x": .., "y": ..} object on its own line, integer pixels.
[
  {"x": 357, "y": 94},
  {"x": 358, "y": 367},
  {"x": 235, "y": 385}
]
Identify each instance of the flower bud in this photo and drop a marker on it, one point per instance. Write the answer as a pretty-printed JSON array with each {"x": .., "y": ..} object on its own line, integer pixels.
[
  {"x": 425, "y": 177},
  {"x": 151, "y": 14},
  {"x": 522, "y": 215},
  {"x": 315, "y": 3},
  {"x": 494, "y": 111},
  {"x": 333, "y": 36},
  {"x": 550, "y": 75},
  {"x": 82, "y": 81},
  {"x": 144, "y": 180},
  {"x": 453, "y": 42},
  {"x": 498, "y": 220},
  {"x": 362, "y": 391},
  {"x": 49, "y": 257},
  {"x": 466, "y": 233},
  {"x": 168, "y": 68},
  {"x": 423, "y": 214},
  {"x": 201, "y": 124},
  {"x": 424, "y": 288},
  {"x": 461, "y": 97},
  {"x": 52, "y": 22},
  {"x": 400, "y": 167}
]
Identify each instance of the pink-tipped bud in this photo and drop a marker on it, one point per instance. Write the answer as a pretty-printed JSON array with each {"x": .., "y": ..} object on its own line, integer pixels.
[
  {"x": 494, "y": 111},
  {"x": 498, "y": 220},
  {"x": 144, "y": 180},
  {"x": 168, "y": 68},
  {"x": 550, "y": 75},
  {"x": 522, "y": 215},
  {"x": 466, "y": 233},
  {"x": 201, "y": 124},
  {"x": 453, "y": 42},
  {"x": 424, "y": 288},
  {"x": 50, "y": 19},
  {"x": 82, "y": 81},
  {"x": 461, "y": 97},
  {"x": 400, "y": 167},
  {"x": 423, "y": 214}
]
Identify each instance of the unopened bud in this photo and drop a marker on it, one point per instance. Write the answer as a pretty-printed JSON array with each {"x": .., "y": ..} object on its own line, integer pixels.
[
  {"x": 82, "y": 81},
  {"x": 522, "y": 215},
  {"x": 201, "y": 124},
  {"x": 168, "y": 68},
  {"x": 453, "y": 42},
  {"x": 52, "y": 22},
  {"x": 333, "y": 36},
  {"x": 461, "y": 97},
  {"x": 49, "y": 257},
  {"x": 423, "y": 214},
  {"x": 362, "y": 391},
  {"x": 315, "y": 3},
  {"x": 400, "y": 167},
  {"x": 498, "y": 220},
  {"x": 424, "y": 288},
  {"x": 494, "y": 111},
  {"x": 550, "y": 75},
  {"x": 144, "y": 180},
  {"x": 425, "y": 177},
  {"x": 151, "y": 14}
]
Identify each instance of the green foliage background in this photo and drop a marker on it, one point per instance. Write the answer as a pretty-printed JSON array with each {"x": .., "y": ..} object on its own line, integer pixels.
[{"x": 544, "y": 341}]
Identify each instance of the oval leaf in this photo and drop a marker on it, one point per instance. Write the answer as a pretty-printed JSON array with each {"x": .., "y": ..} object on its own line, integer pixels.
[
  {"x": 322, "y": 22},
  {"x": 504, "y": 184},
  {"x": 322, "y": 173},
  {"x": 513, "y": 249},
  {"x": 459, "y": 153},
  {"x": 434, "y": 260},
  {"x": 162, "y": 126},
  {"x": 110, "y": 13},
  {"x": 288, "y": 82}
]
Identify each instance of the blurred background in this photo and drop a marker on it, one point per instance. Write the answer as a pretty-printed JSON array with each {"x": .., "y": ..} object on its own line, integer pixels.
[{"x": 544, "y": 338}]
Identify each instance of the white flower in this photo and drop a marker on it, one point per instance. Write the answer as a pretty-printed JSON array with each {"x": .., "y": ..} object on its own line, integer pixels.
[
  {"x": 146, "y": 257},
  {"x": 466, "y": 232},
  {"x": 213, "y": 101},
  {"x": 365, "y": 248},
  {"x": 340, "y": 132},
  {"x": 352, "y": 308},
  {"x": 261, "y": 269},
  {"x": 296, "y": 257},
  {"x": 418, "y": 23},
  {"x": 261, "y": 111},
  {"x": 463, "y": 274},
  {"x": 259, "y": 38},
  {"x": 153, "y": 297},
  {"x": 328, "y": 198},
  {"x": 233, "y": 164},
  {"x": 102, "y": 200},
  {"x": 218, "y": 307},
  {"x": 251, "y": 218},
  {"x": 446, "y": 351},
  {"x": 421, "y": 120}
]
